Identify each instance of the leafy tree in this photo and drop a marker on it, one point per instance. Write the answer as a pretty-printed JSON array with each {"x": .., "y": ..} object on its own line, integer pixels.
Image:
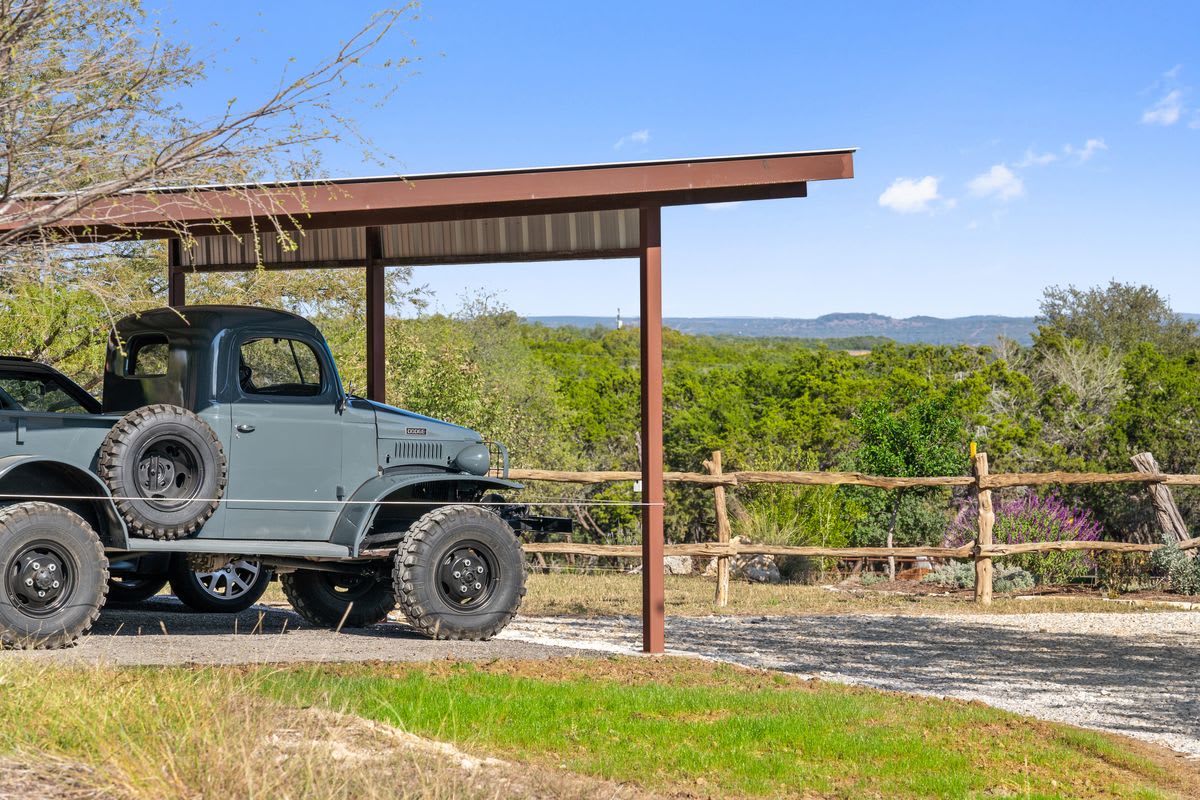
[
  {"x": 1119, "y": 316},
  {"x": 85, "y": 114},
  {"x": 922, "y": 439}
]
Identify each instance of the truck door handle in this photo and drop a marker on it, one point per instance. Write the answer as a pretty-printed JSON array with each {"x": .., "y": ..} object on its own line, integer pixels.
[{"x": 245, "y": 428}]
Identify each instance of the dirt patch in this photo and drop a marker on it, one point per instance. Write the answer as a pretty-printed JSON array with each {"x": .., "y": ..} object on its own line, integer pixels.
[
  {"x": 40, "y": 777},
  {"x": 390, "y": 755}
]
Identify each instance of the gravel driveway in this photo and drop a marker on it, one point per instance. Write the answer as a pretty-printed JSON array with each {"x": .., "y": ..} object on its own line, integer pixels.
[
  {"x": 1134, "y": 674},
  {"x": 163, "y": 632}
]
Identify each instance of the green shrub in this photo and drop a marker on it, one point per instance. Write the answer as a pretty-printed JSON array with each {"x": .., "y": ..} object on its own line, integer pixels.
[
  {"x": 1182, "y": 571},
  {"x": 1120, "y": 572},
  {"x": 961, "y": 575}
]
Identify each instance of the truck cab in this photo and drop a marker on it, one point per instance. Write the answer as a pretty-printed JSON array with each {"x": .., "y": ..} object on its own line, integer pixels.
[{"x": 240, "y": 412}]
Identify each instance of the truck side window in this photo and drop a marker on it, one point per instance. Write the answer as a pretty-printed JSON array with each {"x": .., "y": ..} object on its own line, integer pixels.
[
  {"x": 148, "y": 357},
  {"x": 278, "y": 366},
  {"x": 33, "y": 392}
]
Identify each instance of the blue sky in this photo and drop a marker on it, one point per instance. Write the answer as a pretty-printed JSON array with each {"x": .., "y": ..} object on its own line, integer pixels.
[{"x": 1003, "y": 147}]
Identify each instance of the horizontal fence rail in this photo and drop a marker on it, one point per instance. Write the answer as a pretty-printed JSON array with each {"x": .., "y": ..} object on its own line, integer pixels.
[{"x": 982, "y": 550}]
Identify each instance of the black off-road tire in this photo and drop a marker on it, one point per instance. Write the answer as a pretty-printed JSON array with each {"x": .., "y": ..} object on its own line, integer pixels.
[
  {"x": 437, "y": 548},
  {"x": 128, "y": 590},
  {"x": 188, "y": 585},
  {"x": 42, "y": 544},
  {"x": 166, "y": 469},
  {"x": 321, "y": 597}
]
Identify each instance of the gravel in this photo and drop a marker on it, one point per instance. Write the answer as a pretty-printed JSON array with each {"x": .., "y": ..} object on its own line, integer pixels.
[
  {"x": 1132, "y": 674},
  {"x": 163, "y": 632}
]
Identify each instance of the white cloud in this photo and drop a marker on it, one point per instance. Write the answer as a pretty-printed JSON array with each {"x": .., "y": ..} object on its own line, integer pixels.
[
  {"x": 1089, "y": 149},
  {"x": 999, "y": 182},
  {"x": 910, "y": 196},
  {"x": 1173, "y": 72},
  {"x": 636, "y": 138},
  {"x": 1166, "y": 111},
  {"x": 1033, "y": 159}
]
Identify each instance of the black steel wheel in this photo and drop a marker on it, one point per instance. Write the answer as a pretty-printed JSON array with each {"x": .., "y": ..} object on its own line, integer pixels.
[
  {"x": 166, "y": 469},
  {"x": 459, "y": 573},
  {"x": 54, "y": 574},
  {"x": 132, "y": 589},
  {"x": 232, "y": 588},
  {"x": 322, "y": 597}
]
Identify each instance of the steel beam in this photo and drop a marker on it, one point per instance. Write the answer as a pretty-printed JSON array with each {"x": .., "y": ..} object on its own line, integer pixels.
[
  {"x": 377, "y": 201},
  {"x": 376, "y": 317},
  {"x": 653, "y": 603},
  {"x": 176, "y": 277}
]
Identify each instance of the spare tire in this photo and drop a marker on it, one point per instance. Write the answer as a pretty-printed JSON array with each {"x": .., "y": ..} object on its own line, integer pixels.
[{"x": 166, "y": 469}]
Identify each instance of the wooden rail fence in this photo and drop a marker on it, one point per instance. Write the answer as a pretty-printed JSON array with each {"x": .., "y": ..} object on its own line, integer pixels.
[{"x": 982, "y": 550}]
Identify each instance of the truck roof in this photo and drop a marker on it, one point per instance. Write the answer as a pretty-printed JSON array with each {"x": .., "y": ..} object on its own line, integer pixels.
[{"x": 212, "y": 319}]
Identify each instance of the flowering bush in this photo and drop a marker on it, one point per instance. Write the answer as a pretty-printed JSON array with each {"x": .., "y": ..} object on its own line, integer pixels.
[{"x": 1031, "y": 518}]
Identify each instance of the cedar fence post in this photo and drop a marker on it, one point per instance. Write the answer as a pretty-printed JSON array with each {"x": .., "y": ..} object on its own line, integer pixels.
[
  {"x": 714, "y": 468},
  {"x": 983, "y": 564}
]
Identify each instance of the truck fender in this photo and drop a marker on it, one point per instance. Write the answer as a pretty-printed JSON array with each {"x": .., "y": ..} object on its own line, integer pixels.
[
  {"x": 356, "y": 516},
  {"x": 30, "y": 477}
]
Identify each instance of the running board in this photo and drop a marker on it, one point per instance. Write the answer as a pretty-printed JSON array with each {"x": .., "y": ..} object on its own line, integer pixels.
[{"x": 246, "y": 547}]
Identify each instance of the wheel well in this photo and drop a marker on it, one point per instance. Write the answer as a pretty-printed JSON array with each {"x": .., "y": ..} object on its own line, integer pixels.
[
  {"x": 55, "y": 481},
  {"x": 419, "y": 499}
]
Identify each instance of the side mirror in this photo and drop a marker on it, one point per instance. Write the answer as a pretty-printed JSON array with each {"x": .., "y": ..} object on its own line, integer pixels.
[{"x": 341, "y": 403}]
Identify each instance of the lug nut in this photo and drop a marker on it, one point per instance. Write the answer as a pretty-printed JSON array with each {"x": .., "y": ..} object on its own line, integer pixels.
[
  {"x": 52, "y": 567},
  {"x": 41, "y": 593},
  {"x": 55, "y": 584},
  {"x": 457, "y": 574},
  {"x": 29, "y": 581},
  {"x": 463, "y": 588},
  {"x": 36, "y": 565},
  {"x": 479, "y": 570},
  {"x": 478, "y": 585},
  {"x": 467, "y": 562}
]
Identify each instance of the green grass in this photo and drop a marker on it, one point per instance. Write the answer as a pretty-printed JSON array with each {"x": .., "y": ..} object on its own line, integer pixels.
[{"x": 715, "y": 730}]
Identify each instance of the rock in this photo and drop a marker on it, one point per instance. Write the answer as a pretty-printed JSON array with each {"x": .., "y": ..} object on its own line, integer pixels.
[
  {"x": 672, "y": 565},
  {"x": 756, "y": 569},
  {"x": 677, "y": 565}
]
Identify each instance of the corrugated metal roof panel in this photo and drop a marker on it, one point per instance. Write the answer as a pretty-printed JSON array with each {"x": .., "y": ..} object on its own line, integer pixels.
[{"x": 503, "y": 238}]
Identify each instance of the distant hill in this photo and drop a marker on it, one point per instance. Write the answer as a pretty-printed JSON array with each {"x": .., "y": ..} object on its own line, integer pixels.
[{"x": 929, "y": 330}]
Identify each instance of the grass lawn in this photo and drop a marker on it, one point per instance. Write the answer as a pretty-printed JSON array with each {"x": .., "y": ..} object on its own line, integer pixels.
[
  {"x": 689, "y": 595},
  {"x": 710, "y": 730}
]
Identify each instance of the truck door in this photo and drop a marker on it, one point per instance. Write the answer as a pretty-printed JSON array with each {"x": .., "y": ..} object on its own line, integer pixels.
[{"x": 285, "y": 459}]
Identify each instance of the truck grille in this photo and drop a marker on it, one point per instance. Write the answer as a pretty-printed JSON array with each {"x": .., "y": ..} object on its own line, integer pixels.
[{"x": 418, "y": 451}]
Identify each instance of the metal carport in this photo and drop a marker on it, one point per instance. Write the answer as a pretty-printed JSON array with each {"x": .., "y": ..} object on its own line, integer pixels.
[{"x": 590, "y": 211}]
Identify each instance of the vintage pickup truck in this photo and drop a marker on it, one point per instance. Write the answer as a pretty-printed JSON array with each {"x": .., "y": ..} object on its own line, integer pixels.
[{"x": 225, "y": 450}]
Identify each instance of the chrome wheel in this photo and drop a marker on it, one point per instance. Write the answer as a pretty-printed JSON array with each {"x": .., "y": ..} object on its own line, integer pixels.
[{"x": 232, "y": 581}]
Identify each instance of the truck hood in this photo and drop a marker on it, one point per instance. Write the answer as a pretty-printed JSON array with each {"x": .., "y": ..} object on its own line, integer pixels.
[{"x": 396, "y": 423}]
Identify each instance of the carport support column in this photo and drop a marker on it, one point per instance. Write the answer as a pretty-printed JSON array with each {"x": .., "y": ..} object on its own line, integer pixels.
[
  {"x": 653, "y": 605},
  {"x": 376, "y": 315},
  {"x": 176, "y": 278}
]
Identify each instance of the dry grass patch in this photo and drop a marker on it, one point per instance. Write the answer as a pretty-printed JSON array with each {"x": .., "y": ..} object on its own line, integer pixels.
[
  {"x": 160, "y": 734},
  {"x": 688, "y": 595}
]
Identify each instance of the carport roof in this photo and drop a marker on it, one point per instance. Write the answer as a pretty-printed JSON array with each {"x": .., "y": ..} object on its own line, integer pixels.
[{"x": 443, "y": 197}]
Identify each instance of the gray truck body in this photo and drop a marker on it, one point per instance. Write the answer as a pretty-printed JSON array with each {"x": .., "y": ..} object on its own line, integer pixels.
[{"x": 315, "y": 474}]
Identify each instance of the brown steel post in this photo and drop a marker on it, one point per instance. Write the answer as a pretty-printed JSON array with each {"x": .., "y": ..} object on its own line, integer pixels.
[
  {"x": 176, "y": 278},
  {"x": 376, "y": 316},
  {"x": 653, "y": 604}
]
